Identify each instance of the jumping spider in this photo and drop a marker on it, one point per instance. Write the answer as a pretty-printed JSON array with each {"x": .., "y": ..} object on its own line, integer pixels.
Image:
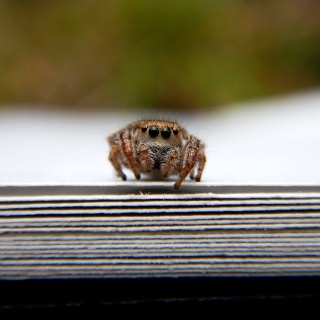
[{"x": 157, "y": 147}]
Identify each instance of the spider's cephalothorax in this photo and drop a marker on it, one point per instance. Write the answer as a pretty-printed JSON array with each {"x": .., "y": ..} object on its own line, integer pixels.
[{"x": 159, "y": 147}]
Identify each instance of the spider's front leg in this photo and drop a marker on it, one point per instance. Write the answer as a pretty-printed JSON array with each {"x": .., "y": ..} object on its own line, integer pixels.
[
  {"x": 114, "y": 159},
  {"x": 128, "y": 149},
  {"x": 193, "y": 155},
  {"x": 201, "y": 159}
]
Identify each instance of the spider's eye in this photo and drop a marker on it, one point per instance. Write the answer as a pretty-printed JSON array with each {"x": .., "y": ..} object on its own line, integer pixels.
[
  {"x": 175, "y": 132},
  {"x": 166, "y": 133},
  {"x": 143, "y": 129},
  {"x": 153, "y": 131}
]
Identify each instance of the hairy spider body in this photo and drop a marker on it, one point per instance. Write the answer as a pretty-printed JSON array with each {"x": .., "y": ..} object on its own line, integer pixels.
[{"x": 158, "y": 147}]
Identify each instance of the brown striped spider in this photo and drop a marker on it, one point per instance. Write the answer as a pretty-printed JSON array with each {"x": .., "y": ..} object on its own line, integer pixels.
[{"x": 158, "y": 147}]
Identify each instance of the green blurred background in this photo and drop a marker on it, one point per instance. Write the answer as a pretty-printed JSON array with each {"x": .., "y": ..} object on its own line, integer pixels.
[{"x": 178, "y": 54}]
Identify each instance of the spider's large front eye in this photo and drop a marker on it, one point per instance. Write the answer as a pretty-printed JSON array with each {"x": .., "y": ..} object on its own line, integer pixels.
[
  {"x": 153, "y": 131},
  {"x": 166, "y": 133}
]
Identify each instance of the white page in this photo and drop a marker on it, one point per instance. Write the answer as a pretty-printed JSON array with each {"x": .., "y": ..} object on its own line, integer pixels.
[{"x": 272, "y": 142}]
